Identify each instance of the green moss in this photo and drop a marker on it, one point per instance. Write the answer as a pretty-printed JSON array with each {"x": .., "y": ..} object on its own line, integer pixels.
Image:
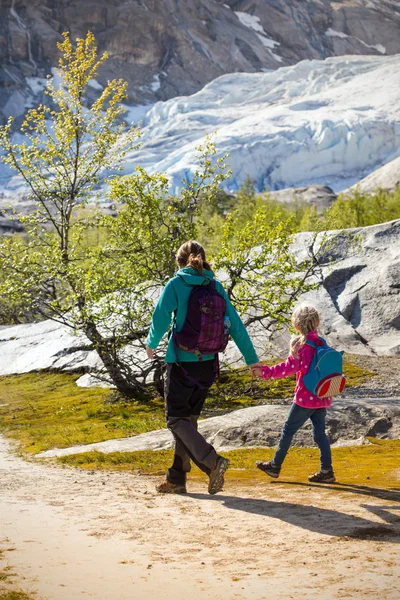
[
  {"x": 46, "y": 410},
  {"x": 6, "y": 591},
  {"x": 15, "y": 595},
  {"x": 377, "y": 464}
]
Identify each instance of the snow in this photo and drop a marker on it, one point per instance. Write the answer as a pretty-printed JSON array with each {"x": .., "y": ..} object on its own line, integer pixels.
[
  {"x": 95, "y": 85},
  {"x": 250, "y": 21},
  {"x": 253, "y": 22},
  {"x": 332, "y": 33},
  {"x": 156, "y": 83},
  {"x": 327, "y": 122},
  {"x": 37, "y": 84}
]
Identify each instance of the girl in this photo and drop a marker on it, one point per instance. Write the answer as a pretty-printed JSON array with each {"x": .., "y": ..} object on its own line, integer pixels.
[
  {"x": 305, "y": 406},
  {"x": 188, "y": 379}
]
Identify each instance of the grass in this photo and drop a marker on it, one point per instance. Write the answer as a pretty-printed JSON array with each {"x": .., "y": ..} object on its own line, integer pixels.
[
  {"x": 15, "y": 595},
  {"x": 375, "y": 465},
  {"x": 6, "y": 584},
  {"x": 47, "y": 410}
]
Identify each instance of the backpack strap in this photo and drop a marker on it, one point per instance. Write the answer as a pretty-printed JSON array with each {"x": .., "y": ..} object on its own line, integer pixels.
[
  {"x": 322, "y": 343},
  {"x": 310, "y": 343}
]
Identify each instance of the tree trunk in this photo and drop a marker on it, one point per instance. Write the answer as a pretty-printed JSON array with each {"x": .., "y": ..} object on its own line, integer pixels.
[{"x": 125, "y": 383}]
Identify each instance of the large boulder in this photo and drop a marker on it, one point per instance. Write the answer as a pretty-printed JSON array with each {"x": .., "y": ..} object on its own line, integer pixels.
[
  {"x": 348, "y": 421},
  {"x": 45, "y": 345},
  {"x": 361, "y": 277}
]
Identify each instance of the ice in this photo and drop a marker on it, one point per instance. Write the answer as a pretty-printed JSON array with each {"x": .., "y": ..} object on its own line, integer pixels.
[
  {"x": 326, "y": 122},
  {"x": 317, "y": 121},
  {"x": 37, "y": 84},
  {"x": 136, "y": 114}
]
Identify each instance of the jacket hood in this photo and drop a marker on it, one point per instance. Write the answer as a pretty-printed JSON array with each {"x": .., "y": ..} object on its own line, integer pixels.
[{"x": 193, "y": 277}]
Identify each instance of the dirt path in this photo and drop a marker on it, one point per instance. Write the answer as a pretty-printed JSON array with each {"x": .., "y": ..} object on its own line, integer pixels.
[{"x": 109, "y": 536}]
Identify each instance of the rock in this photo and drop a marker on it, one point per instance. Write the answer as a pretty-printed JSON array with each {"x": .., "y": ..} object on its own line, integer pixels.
[
  {"x": 260, "y": 426},
  {"x": 166, "y": 48},
  {"x": 360, "y": 288},
  {"x": 45, "y": 345},
  {"x": 9, "y": 226},
  {"x": 320, "y": 196},
  {"x": 386, "y": 177}
]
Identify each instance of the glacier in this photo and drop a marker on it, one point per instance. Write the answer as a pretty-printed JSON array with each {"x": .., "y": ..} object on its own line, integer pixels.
[
  {"x": 326, "y": 122},
  {"x": 329, "y": 122}
]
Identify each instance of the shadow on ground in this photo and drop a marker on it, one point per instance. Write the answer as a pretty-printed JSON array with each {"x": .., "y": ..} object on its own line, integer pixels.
[{"x": 327, "y": 521}]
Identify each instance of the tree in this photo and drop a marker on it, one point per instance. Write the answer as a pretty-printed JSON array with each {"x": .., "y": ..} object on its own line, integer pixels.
[
  {"x": 103, "y": 290},
  {"x": 259, "y": 270}
]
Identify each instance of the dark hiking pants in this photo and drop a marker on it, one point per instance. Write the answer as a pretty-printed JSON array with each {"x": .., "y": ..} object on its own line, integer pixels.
[{"x": 184, "y": 400}]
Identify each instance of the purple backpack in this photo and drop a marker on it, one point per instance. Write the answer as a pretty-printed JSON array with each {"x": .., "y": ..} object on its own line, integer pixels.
[{"x": 203, "y": 331}]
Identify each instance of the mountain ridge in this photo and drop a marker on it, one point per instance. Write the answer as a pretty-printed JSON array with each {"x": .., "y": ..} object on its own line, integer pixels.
[{"x": 166, "y": 48}]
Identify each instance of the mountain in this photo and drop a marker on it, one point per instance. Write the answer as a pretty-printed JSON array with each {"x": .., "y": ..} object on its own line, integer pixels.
[{"x": 166, "y": 48}]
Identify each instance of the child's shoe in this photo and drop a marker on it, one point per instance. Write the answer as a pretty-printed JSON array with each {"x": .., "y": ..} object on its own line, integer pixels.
[
  {"x": 323, "y": 477},
  {"x": 269, "y": 468},
  {"x": 166, "y": 487}
]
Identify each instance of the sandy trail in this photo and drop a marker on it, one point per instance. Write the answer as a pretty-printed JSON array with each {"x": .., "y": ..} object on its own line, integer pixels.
[{"x": 105, "y": 536}]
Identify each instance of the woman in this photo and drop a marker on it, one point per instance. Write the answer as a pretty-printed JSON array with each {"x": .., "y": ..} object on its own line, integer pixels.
[{"x": 188, "y": 376}]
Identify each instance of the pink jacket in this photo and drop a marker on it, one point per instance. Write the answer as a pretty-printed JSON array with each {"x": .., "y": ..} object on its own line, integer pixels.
[{"x": 300, "y": 365}]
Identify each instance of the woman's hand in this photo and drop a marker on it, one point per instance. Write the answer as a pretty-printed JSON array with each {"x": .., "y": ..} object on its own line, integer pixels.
[
  {"x": 255, "y": 370},
  {"x": 150, "y": 353}
]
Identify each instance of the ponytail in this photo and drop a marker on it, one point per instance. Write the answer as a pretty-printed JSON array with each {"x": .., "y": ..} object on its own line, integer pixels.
[
  {"x": 304, "y": 319},
  {"x": 192, "y": 254}
]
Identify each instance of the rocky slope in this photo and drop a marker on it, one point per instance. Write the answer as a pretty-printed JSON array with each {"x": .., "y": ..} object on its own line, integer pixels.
[
  {"x": 386, "y": 177},
  {"x": 166, "y": 48}
]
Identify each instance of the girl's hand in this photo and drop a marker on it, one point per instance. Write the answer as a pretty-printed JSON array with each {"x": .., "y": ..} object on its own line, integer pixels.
[{"x": 150, "y": 353}]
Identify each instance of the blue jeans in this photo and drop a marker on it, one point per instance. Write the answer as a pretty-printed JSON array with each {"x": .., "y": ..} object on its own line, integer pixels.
[{"x": 296, "y": 419}]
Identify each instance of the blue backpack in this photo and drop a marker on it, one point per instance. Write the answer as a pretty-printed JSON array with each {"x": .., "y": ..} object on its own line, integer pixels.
[{"x": 325, "y": 377}]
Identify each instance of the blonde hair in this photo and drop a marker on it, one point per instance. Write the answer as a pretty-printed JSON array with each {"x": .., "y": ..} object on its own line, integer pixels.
[
  {"x": 304, "y": 319},
  {"x": 192, "y": 254}
]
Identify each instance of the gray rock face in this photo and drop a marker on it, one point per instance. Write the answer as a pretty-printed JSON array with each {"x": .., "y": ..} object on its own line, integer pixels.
[
  {"x": 166, "y": 48},
  {"x": 347, "y": 421},
  {"x": 45, "y": 345},
  {"x": 361, "y": 287},
  {"x": 386, "y": 177},
  {"x": 320, "y": 196}
]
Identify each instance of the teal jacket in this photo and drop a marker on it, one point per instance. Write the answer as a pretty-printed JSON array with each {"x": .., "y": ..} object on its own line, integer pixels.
[{"x": 174, "y": 300}]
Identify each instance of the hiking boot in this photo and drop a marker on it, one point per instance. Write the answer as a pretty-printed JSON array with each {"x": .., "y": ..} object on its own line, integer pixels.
[
  {"x": 323, "y": 477},
  {"x": 269, "y": 468},
  {"x": 166, "y": 487},
  {"x": 217, "y": 474}
]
